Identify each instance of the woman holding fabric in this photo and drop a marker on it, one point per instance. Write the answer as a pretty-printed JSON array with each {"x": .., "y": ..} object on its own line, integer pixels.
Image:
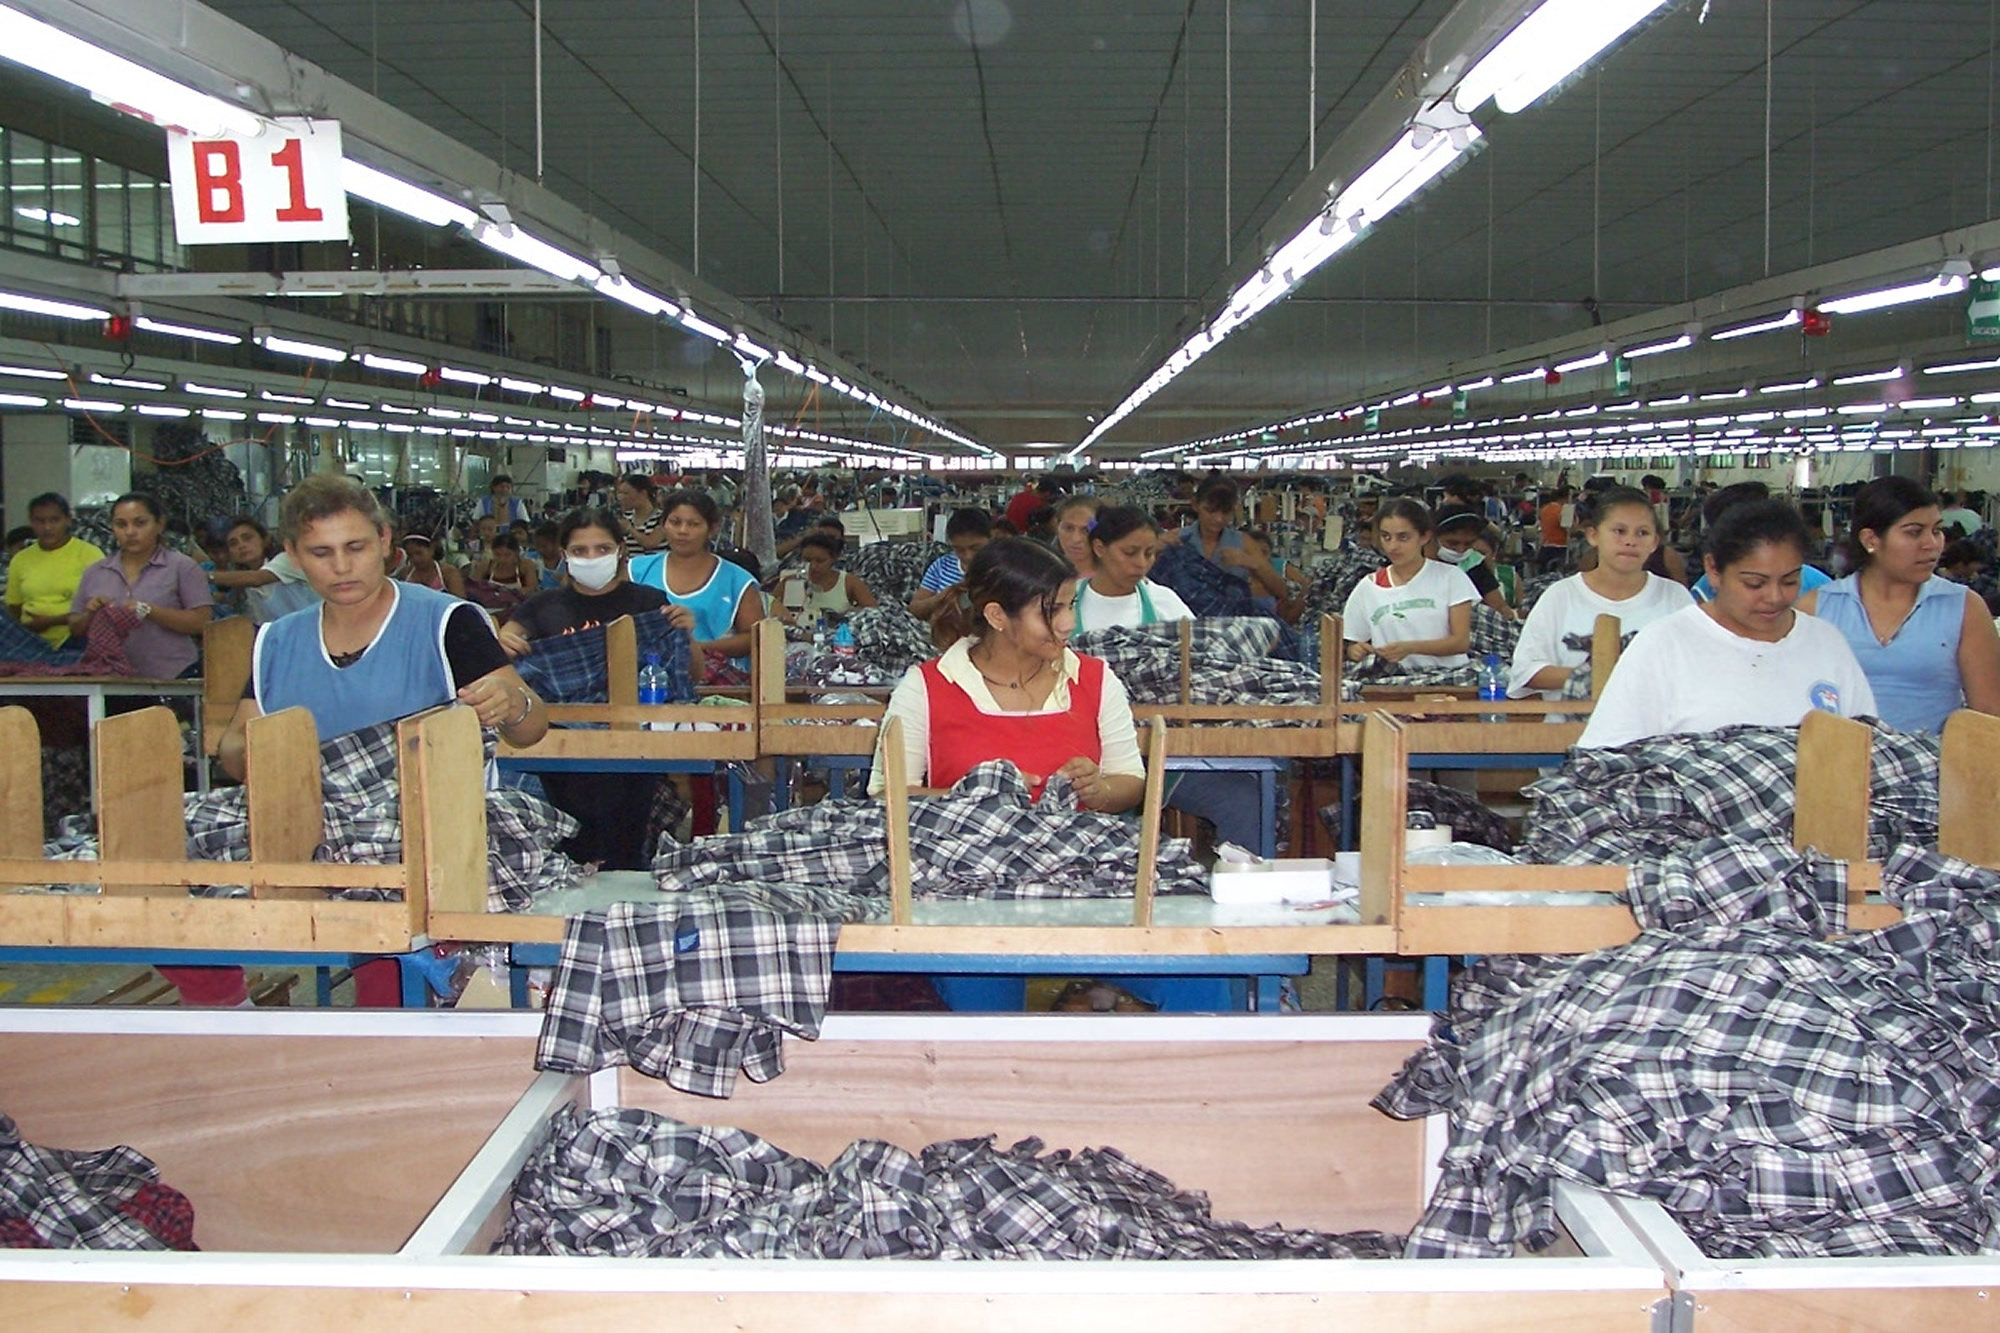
[
  {"x": 1124, "y": 543},
  {"x": 611, "y": 809},
  {"x": 721, "y": 593},
  {"x": 1746, "y": 656},
  {"x": 1927, "y": 644},
  {"x": 165, "y": 589},
  {"x": 1416, "y": 612}
]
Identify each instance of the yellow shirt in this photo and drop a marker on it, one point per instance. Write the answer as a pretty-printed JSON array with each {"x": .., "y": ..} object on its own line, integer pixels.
[{"x": 43, "y": 583}]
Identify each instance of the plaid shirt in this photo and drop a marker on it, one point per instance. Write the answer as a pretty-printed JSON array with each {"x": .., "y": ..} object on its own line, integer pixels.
[
  {"x": 363, "y": 825},
  {"x": 570, "y": 668},
  {"x": 693, "y": 989},
  {"x": 1781, "y": 1094},
  {"x": 983, "y": 839},
  {"x": 631, "y": 1183},
  {"x": 51, "y": 1198},
  {"x": 890, "y": 639},
  {"x": 1229, "y": 660},
  {"x": 894, "y": 570}
]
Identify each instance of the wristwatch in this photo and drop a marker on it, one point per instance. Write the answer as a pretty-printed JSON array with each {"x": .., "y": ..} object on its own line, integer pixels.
[{"x": 142, "y": 609}]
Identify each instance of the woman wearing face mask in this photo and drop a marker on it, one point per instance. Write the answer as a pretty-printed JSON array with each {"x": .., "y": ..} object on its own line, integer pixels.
[
  {"x": 611, "y": 809},
  {"x": 1458, "y": 529},
  {"x": 1927, "y": 644},
  {"x": 1745, "y": 657},
  {"x": 1416, "y": 612},
  {"x": 1074, "y": 518},
  {"x": 1124, "y": 544},
  {"x": 1555, "y": 642},
  {"x": 1012, "y": 690}
]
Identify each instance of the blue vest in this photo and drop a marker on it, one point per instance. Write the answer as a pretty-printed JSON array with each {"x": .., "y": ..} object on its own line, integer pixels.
[
  {"x": 1914, "y": 675},
  {"x": 403, "y": 672}
]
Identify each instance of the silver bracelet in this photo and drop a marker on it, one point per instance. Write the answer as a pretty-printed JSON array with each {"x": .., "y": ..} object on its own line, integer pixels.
[{"x": 527, "y": 709}]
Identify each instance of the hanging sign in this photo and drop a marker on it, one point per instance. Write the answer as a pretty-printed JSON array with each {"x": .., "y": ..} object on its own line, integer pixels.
[
  {"x": 1621, "y": 375},
  {"x": 281, "y": 185},
  {"x": 1982, "y": 309}
]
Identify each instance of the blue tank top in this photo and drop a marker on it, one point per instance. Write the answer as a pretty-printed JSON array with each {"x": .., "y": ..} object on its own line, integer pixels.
[
  {"x": 1914, "y": 675},
  {"x": 403, "y": 672}
]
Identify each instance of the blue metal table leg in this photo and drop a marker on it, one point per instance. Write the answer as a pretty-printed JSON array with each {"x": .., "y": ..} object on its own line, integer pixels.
[
  {"x": 1437, "y": 983},
  {"x": 1267, "y": 998},
  {"x": 1267, "y": 806},
  {"x": 1347, "y": 834},
  {"x": 416, "y": 991},
  {"x": 1375, "y": 975},
  {"x": 323, "y": 986}
]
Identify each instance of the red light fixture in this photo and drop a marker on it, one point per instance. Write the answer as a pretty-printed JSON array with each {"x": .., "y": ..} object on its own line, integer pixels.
[
  {"x": 118, "y": 328},
  {"x": 1553, "y": 378},
  {"x": 1815, "y": 323},
  {"x": 430, "y": 379}
]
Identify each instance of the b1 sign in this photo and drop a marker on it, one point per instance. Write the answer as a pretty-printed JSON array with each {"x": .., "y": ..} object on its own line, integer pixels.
[{"x": 281, "y": 185}]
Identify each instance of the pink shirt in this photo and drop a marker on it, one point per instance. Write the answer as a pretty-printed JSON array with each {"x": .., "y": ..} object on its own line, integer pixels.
[{"x": 169, "y": 579}]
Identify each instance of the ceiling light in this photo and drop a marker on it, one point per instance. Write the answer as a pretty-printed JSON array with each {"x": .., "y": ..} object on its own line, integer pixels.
[
  {"x": 1944, "y": 284},
  {"x": 625, "y": 293},
  {"x": 398, "y": 410},
  {"x": 399, "y": 196},
  {"x": 92, "y": 405},
  {"x": 33, "y": 373},
  {"x": 212, "y": 390},
  {"x": 1872, "y": 376},
  {"x": 457, "y": 376},
  {"x": 510, "y": 240},
  {"x": 1560, "y": 37},
  {"x": 1798, "y": 386},
  {"x": 1596, "y": 358},
  {"x": 528, "y": 387},
  {"x": 1861, "y": 409},
  {"x": 394, "y": 365},
  {"x": 272, "y": 341},
  {"x": 223, "y": 414},
  {"x": 41, "y": 305},
  {"x": 787, "y": 362},
  {"x": 294, "y": 399},
  {"x": 362, "y": 425},
  {"x": 1475, "y": 385},
  {"x": 150, "y": 325},
  {"x": 696, "y": 324},
  {"x": 1768, "y": 324},
  {"x": 22, "y": 400},
  {"x": 119, "y": 82},
  {"x": 750, "y": 349},
  {"x": 1956, "y": 367},
  {"x": 568, "y": 395},
  {"x": 1523, "y": 376},
  {"x": 163, "y": 410},
  {"x": 1926, "y": 404},
  {"x": 1657, "y": 348},
  {"x": 121, "y": 382}
]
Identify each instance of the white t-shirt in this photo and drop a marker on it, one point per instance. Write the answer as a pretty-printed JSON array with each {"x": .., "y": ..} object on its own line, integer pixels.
[
  {"x": 1688, "y": 674},
  {"x": 1377, "y": 612},
  {"x": 1096, "y": 611},
  {"x": 1570, "y": 609}
]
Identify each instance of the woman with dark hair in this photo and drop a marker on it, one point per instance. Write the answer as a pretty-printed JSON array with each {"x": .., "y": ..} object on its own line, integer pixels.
[
  {"x": 639, "y": 507},
  {"x": 828, "y": 588},
  {"x": 1124, "y": 543},
  {"x": 1623, "y": 530},
  {"x": 42, "y": 578},
  {"x": 720, "y": 595},
  {"x": 1927, "y": 644},
  {"x": 1075, "y": 517},
  {"x": 1720, "y": 502},
  {"x": 1215, "y": 538},
  {"x": 1414, "y": 611},
  {"x": 1745, "y": 657},
  {"x": 165, "y": 589},
  {"x": 1012, "y": 690}
]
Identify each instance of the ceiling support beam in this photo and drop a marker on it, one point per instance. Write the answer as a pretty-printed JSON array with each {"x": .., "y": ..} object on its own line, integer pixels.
[{"x": 492, "y": 284}]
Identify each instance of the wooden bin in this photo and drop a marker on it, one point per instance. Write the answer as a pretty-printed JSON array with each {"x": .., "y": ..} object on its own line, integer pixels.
[
  {"x": 1854, "y": 1295},
  {"x": 143, "y": 868},
  {"x": 1270, "y": 1117}
]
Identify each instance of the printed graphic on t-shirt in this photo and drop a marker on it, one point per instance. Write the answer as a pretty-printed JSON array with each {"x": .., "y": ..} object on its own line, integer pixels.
[
  {"x": 1397, "y": 609},
  {"x": 1825, "y": 696}
]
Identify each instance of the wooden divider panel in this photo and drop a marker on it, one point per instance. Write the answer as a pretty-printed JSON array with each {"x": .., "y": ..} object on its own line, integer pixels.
[
  {"x": 1187, "y": 661},
  {"x": 20, "y": 784},
  {"x": 1149, "y": 823},
  {"x": 139, "y": 783},
  {"x": 1605, "y": 646},
  {"x": 621, "y": 666},
  {"x": 767, "y": 661},
  {"x": 443, "y": 780},
  {"x": 225, "y": 670},
  {"x": 1385, "y": 798},
  {"x": 1968, "y": 778},
  {"x": 1832, "y": 782},
  {"x": 1332, "y": 659},
  {"x": 896, "y": 790},
  {"x": 282, "y": 789}
]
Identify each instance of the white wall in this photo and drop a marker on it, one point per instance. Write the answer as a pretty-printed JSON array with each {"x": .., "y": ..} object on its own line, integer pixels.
[{"x": 35, "y": 456}]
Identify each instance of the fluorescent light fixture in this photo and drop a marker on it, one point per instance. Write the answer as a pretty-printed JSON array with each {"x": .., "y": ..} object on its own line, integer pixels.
[
  {"x": 567, "y": 394},
  {"x": 322, "y": 423},
  {"x": 445, "y": 413},
  {"x": 394, "y": 365},
  {"x": 1770, "y": 324},
  {"x": 1908, "y": 293},
  {"x": 41, "y": 305},
  {"x": 696, "y": 324},
  {"x": 1861, "y": 409},
  {"x": 362, "y": 425},
  {"x": 750, "y": 349},
  {"x": 1926, "y": 404},
  {"x": 399, "y": 196},
  {"x": 399, "y": 428},
  {"x": 1596, "y": 358},
  {"x": 457, "y": 376},
  {"x": 160, "y": 326},
  {"x": 788, "y": 363},
  {"x": 223, "y": 414},
  {"x": 277, "y": 419},
  {"x": 397, "y": 410},
  {"x": 22, "y": 400},
  {"x": 1404, "y": 401},
  {"x": 163, "y": 410},
  {"x": 607, "y": 400},
  {"x": 212, "y": 390},
  {"x": 1476, "y": 385},
  {"x": 1797, "y": 386},
  {"x": 1559, "y": 38},
  {"x": 507, "y": 239},
  {"x": 33, "y": 373},
  {"x": 1872, "y": 376},
  {"x": 92, "y": 405},
  {"x": 117, "y": 81},
  {"x": 638, "y": 298},
  {"x": 1523, "y": 376},
  {"x": 529, "y": 387},
  {"x": 1644, "y": 350},
  {"x": 296, "y": 400},
  {"x": 1958, "y": 367},
  {"x": 121, "y": 382},
  {"x": 272, "y": 341}
]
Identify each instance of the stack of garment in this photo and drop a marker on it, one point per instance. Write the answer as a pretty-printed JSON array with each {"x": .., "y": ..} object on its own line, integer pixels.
[
  {"x": 1334, "y": 579},
  {"x": 571, "y": 668},
  {"x": 634, "y": 1184},
  {"x": 889, "y": 640},
  {"x": 54, "y": 1199},
  {"x": 1781, "y": 1094},
  {"x": 1229, "y": 663},
  {"x": 894, "y": 570},
  {"x": 363, "y": 825},
  {"x": 1206, "y": 587}
]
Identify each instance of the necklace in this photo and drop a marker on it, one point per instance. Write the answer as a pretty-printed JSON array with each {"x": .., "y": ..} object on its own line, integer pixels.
[{"x": 1017, "y": 684}]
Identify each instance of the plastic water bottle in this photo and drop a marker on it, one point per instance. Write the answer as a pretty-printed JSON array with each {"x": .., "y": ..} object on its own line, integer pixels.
[
  {"x": 1492, "y": 686},
  {"x": 652, "y": 681},
  {"x": 819, "y": 634},
  {"x": 843, "y": 640}
]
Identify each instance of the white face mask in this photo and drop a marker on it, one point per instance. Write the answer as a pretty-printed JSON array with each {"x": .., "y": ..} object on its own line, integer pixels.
[
  {"x": 594, "y": 573},
  {"x": 1469, "y": 558}
]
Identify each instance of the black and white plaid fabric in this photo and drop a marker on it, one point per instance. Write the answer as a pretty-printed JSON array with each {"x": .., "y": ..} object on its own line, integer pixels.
[
  {"x": 983, "y": 839},
  {"x": 1493, "y": 633},
  {"x": 1208, "y": 589},
  {"x": 889, "y": 639},
  {"x": 1782, "y": 1094},
  {"x": 695, "y": 988},
  {"x": 631, "y": 1183},
  {"x": 69, "y": 1200},
  {"x": 1229, "y": 662},
  {"x": 1335, "y": 578},
  {"x": 893, "y": 571},
  {"x": 570, "y": 668},
  {"x": 362, "y": 824},
  {"x": 1650, "y": 799}
]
